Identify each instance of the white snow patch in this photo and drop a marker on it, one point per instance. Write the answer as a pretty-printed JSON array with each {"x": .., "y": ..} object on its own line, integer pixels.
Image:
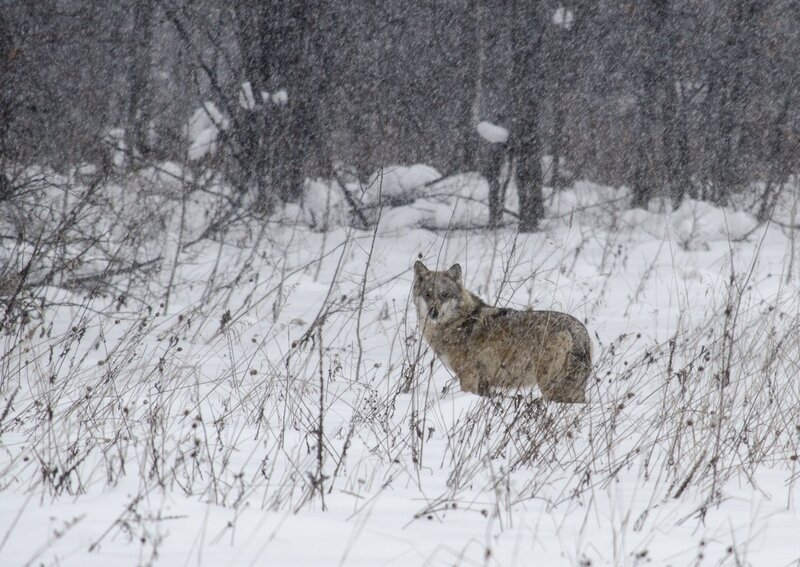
[
  {"x": 115, "y": 140},
  {"x": 215, "y": 115},
  {"x": 647, "y": 222},
  {"x": 563, "y": 17},
  {"x": 582, "y": 195},
  {"x": 739, "y": 224},
  {"x": 696, "y": 223},
  {"x": 246, "y": 98},
  {"x": 417, "y": 215},
  {"x": 460, "y": 201},
  {"x": 492, "y": 133},
  {"x": 87, "y": 169},
  {"x": 280, "y": 97},
  {"x": 398, "y": 182},
  {"x": 205, "y": 143},
  {"x": 166, "y": 174},
  {"x": 203, "y": 129},
  {"x": 323, "y": 206}
]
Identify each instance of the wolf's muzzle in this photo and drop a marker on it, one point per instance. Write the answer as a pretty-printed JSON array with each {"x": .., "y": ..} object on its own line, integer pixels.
[{"x": 433, "y": 313}]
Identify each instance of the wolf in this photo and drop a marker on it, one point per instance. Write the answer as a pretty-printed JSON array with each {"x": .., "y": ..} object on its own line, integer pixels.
[{"x": 490, "y": 348}]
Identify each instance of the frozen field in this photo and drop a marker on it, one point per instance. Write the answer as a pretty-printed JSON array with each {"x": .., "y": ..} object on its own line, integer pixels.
[{"x": 265, "y": 398}]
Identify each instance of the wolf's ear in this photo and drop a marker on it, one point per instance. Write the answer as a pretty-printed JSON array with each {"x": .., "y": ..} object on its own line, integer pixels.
[
  {"x": 420, "y": 270},
  {"x": 455, "y": 272}
]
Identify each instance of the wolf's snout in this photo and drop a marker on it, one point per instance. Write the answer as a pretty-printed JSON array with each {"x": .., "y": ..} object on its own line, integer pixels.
[{"x": 433, "y": 313}]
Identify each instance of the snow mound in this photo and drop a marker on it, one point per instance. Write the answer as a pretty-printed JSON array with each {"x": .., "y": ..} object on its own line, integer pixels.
[
  {"x": 492, "y": 133},
  {"x": 695, "y": 223},
  {"x": 203, "y": 129},
  {"x": 323, "y": 206},
  {"x": 398, "y": 183},
  {"x": 647, "y": 222},
  {"x": 457, "y": 202},
  {"x": 582, "y": 195},
  {"x": 398, "y": 219},
  {"x": 460, "y": 201},
  {"x": 740, "y": 224}
]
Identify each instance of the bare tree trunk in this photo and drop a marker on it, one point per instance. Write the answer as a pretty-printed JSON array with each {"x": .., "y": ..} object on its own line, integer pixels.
[
  {"x": 479, "y": 13},
  {"x": 781, "y": 168},
  {"x": 560, "y": 77},
  {"x": 526, "y": 143},
  {"x": 7, "y": 57},
  {"x": 732, "y": 98},
  {"x": 493, "y": 165},
  {"x": 470, "y": 74},
  {"x": 307, "y": 57},
  {"x": 643, "y": 186},
  {"x": 649, "y": 171},
  {"x": 675, "y": 172},
  {"x": 676, "y": 148},
  {"x": 140, "y": 100},
  {"x": 556, "y": 178},
  {"x": 253, "y": 21}
]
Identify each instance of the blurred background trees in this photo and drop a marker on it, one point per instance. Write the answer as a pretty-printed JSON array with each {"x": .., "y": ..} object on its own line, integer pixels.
[{"x": 669, "y": 97}]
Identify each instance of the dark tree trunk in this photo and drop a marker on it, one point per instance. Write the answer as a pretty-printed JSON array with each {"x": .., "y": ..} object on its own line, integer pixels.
[
  {"x": 643, "y": 186},
  {"x": 8, "y": 55},
  {"x": 470, "y": 51},
  {"x": 556, "y": 177},
  {"x": 140, "y": 99},
  {"x": 526, "y": 144},
  {"x": 675, "y": 172},
  {"x": 307, "y": 57},
  {"x": 560, "y": 77},
  {"x": 254, "y": 124},
  {"x": 495, "y": 154},
  {"x": 732, "y": 98},
  {"x": 649, "y": 171},
  {"x": 676, "y": 149}
]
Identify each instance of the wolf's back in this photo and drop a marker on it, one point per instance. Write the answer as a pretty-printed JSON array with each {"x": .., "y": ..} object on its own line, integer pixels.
[
  {"x": 556, "y": 342},
  {"x": 539, "y": 325}
]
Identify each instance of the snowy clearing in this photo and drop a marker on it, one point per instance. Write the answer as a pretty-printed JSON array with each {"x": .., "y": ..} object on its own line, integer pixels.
[{"x": 265, "y": 398}]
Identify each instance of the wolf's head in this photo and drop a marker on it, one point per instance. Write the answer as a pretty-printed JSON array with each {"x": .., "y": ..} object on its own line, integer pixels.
[{"x": 437, "y": 295}]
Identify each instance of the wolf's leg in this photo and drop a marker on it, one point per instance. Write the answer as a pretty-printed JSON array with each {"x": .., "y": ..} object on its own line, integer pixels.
[
  {"x": 551, "y": 365},
  {"x": 474, "y": 383},
  {"x": 470, "y": 382},
  {"x": 483, "y": 387},
  {"x": 569, "y": 386},
  {"x": 579, "y": 367},
  {"x": 564, "y": 392}
]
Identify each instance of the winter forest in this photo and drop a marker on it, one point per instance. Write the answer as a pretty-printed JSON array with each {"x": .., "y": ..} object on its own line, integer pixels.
[{"x": 210, "y": 350}]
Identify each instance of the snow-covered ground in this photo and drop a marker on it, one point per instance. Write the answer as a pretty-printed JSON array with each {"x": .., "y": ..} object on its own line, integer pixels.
[{"x": 284, "y": 411}]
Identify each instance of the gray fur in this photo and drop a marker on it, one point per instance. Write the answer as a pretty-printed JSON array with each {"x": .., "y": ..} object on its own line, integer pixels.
[{"x": 490, "y": 348}]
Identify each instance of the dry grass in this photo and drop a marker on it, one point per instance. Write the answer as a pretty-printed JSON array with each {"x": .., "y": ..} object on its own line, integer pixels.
[{"x": 209, "y": 403}]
